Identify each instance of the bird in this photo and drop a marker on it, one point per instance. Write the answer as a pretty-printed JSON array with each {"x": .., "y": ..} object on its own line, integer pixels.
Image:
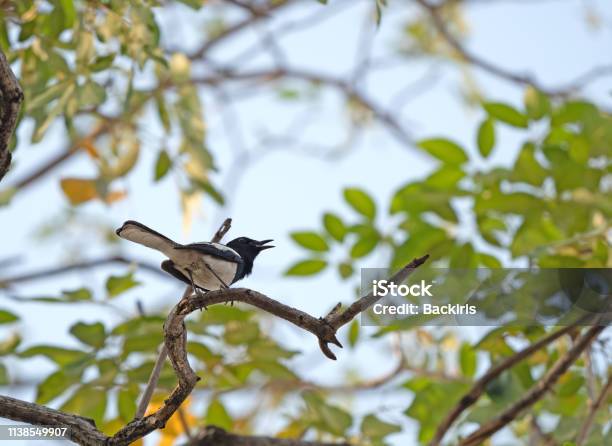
[{"x": 205, "y": 266}]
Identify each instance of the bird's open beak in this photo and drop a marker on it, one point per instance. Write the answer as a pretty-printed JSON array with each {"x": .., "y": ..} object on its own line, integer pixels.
[{"x": 262, "y": 245}]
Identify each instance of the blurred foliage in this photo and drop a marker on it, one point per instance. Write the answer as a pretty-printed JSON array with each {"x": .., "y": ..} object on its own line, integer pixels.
[
  {"x": 83, "y": 66},
  {"x": 550, "y": 208},
  {"x": 96, "y": 72}
]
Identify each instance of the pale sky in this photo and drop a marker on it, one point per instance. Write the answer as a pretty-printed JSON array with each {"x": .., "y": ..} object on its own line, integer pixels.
[{"x": 286, "y": 191}]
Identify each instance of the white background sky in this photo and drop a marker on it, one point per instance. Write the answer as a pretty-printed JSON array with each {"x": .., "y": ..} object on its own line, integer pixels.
[{"x": 287, "y": 191}]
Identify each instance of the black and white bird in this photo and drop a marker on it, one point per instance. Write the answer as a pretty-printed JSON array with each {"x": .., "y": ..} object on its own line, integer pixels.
[{"x": 205, "y": 266}]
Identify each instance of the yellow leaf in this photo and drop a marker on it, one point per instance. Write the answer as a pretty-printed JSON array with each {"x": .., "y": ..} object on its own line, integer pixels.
[
  {"x": 79, "y": 190},
  {"x": 117, "y": 195},
  {"x": 295, "y": 429},
  {"x": 180, "y": 67},
  {"x": 174, "y": 426},
  {"x": 191, "y": 206}
]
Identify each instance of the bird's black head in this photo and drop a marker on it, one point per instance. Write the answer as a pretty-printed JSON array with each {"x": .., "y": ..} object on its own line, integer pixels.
[{"x": 248, "y": 249}]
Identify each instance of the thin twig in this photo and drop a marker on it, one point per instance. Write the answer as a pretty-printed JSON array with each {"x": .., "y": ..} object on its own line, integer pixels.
[
  {"x": 536, "y": 392},
  {"x": 479, "y": 386},
  {"x": 83, "y": 265},
  {"x": 385, "y": 117},
  {"x": 518, "y": 78},
  {"x": 594, "y": 407},
  {"x": 185, "y": 425}
]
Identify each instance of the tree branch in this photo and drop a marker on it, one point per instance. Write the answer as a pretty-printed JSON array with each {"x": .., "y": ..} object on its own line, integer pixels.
[
  {"x": 594, "y": 407},
  {"x": 536, "y": 392},
  {"x": 324, "y": 328},
  {"x": 11, "y": 97},
  {"x": 85, "y": 264},
  {"x": 224, "y": 74},
  {"x": 479, "y": 386},
  {"x": 522, "y": 79},
  {"x": 82, "y": 430},
  {"x": 261, "y": 13}
]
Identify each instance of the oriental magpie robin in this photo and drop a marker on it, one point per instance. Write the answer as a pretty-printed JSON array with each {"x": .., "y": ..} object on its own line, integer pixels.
[{"x": 205, "y": 266}]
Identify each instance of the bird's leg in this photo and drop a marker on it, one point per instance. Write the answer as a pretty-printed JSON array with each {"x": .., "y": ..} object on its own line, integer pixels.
[
  {"x": 194, "y": 287},
  {"x": 224, "y": 285}
]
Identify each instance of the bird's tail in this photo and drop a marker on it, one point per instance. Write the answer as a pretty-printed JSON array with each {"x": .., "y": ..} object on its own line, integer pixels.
[{"x": 143, "y": 235}]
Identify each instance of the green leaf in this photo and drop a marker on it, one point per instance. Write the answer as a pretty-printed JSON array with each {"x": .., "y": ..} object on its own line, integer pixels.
[
  {"x": 102, "y": 63},
  {"x": 9, "y": 345},
  {"x": 372, "y": 427},
  {"x": 360, "y": 201},
  {"x": 87, "y": 402},
  {"x": 445, "y": 178},
  {"x": 6, "y": 317},
  {"x": 54, "y": 112},
  {"x": 506, "y": 114},
  {"x": 326, "y": 417},
  {"x": 91, "y": 94},
  {"x": 116, "y": 285},
  {"x": 46, "y": 96},
  {"x": 537, "y": 103},
  {"x": 445, "y": 150},
  {"x": 569, "y": 385},
  {"x": 467, "y": 360},
  {"x": 4, "y": 377},
  {"x": 69, "y": 12},
  {"x": 364, "y": 245},
  {"x": 221, "y": 315},
  {"x": 162, "y": 165},
  {"x": 54, "y": 385},
  {"x": 527, "y": 168},
  {"x": 195, "y": 4},
  {"x": 432, "y": 400},
  {"x": 334, "y": 226},
  {"x": 306, "y": 267},
  {"x": 238, "y": 333},
  {"x": 310, "y": 240},
  {"x": 59, "y": 355},
  {"x": 78, "y": 294},
  {"x": 142, "y": 343},
  {"x": 210, "y": 190},
  {"x": 486, "y": 137},
  {"x": 345, "y": 270},
  {"x": 90, "y": 334},
  {"x": 126, "y": 404},
  {"x": 6, "y": 195},
  {"x": 217, "y": 415},
  {"x": 353, "y": 333}
]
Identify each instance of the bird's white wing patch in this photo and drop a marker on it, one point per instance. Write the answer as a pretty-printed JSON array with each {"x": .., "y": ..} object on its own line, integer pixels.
[{"x": 224, "y": 248}]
